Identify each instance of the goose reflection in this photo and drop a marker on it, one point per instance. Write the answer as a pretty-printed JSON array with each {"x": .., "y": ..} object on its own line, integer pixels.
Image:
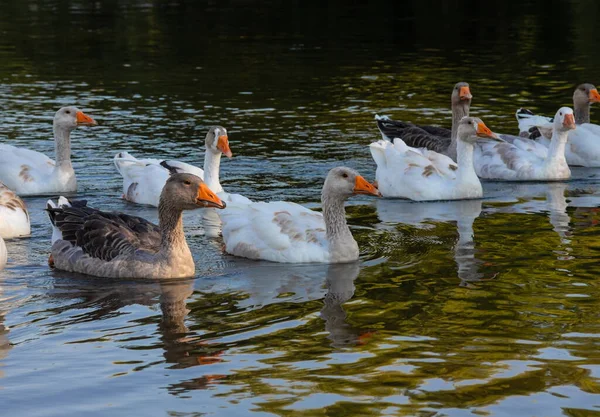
[
  {"x": 340, "y": 288},
  {"x": 546, "y": 197},
  {"x": 463, "y": 212}
]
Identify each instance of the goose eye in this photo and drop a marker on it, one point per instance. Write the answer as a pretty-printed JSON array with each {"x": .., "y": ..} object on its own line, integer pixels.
[
  {"x": 345, "y": 175},
  {"x": 561, "y": 113},
  {"x": 68, "y": 112},
  {"x": 187, "y": 182}
]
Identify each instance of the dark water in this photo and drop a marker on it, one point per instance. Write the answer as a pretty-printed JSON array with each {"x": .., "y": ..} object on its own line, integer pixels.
[{"x": 488, "y": 307}]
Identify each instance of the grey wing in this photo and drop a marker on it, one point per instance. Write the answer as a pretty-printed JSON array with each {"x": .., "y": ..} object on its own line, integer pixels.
[
  {"x": 418, "y": 138},
  {"x": 441, "y": 132},
  {"x": 392, "y": 128},
  {"x": 105, "y": 235}
]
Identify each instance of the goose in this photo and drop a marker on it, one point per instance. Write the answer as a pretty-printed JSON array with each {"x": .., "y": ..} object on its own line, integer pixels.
[
  {"x": 424, "y": 175},
  {"x": 505, "y": 161},
  {"x": 28, "y": 172},
  {"x": 583, "y": 147},
  {"x": 287, "y": 232},
  {"x": 3, "y": 254},
  {"x": 143, "y": 179},
  {"x": 434, "y": 138},
  {"x": 116, "y": 245},
  {"x": 14, "y": 218}
]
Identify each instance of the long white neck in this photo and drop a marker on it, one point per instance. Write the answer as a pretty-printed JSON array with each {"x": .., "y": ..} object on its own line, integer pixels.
[
  {"x": 466, "y": 168},
  {"x": 62, "y": 148},
  {"x": 556, "y": 150},
  {"x": 459, "y": 110},
  {"x": 212, "y": 162}
]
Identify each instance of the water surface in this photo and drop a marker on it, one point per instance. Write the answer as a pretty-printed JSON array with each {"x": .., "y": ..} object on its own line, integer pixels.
[{"x": 486, "y": 307}]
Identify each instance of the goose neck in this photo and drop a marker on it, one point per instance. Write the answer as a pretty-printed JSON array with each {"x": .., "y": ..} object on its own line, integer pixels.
[
  {"x": 459, "y": 110},
  {"x": 212, "y": 163},
  {"x": 466, "y": 167},
  {"x": 556, "y": 150},
  {"x": 170, "y": 220},
  {"x": 62, "y": 147},
  {"x": 581, "y": 112},
  {"x": 334, "y": 216}
]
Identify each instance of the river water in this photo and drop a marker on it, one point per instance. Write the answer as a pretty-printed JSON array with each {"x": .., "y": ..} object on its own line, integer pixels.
[{"x": 470, "y": 308}]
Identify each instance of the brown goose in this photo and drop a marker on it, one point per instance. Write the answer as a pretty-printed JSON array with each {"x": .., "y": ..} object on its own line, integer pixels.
[
  {"x": 117, "y": 245},
  {"x": 434, "y": 138}
]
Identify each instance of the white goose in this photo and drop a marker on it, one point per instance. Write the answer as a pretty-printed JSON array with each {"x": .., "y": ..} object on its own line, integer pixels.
[
  {"x": 287, "y": 232},
  {"x": 505, "y": 161},
  {"x": 29, "y": 172},
  {"x": 14, "y": 219},
  {"x": 583, "y": 147},
  {"x": 421, "y": 174},
  {"x": 144, "y": 179}
]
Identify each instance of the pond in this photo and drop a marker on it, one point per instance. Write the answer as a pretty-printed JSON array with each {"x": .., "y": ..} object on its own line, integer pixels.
[{"x": 465, "y": 308}]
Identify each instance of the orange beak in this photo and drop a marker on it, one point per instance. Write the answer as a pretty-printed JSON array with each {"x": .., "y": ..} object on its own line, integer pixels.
[
  {"x": 362, "y": 186},
  {"x": 465, "y": 93},
  {"x": 594, "y": 96},
  {"x": 484, "y": 132},
  {"x": 206, "y": 198},
  {"x": 569, "y": 121},
  {"x": 85, "y": 120},
  {"x": 223, "y": 146}
]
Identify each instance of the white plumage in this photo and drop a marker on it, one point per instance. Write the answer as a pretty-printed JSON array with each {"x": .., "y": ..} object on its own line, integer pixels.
[
  {"x": 29, "y": 172},
  {"x": 14, "y": 218},
  {"x": 422, "y": 175},
  {"x": 517, "y": 162}
]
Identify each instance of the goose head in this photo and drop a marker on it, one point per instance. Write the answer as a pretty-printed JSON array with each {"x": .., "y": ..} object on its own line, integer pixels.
[
  {"x": 585, "y": 94},
  {"x": 461, "y": 94},
  {"x": 188, "y": 192},
  {"x": 470, "y": 129},
  {"x": 69, "y": 118},
  {"x": 564, "y": 119},
  {"x": 344, "y": 182},
  {"x": 217, "y": 141}
]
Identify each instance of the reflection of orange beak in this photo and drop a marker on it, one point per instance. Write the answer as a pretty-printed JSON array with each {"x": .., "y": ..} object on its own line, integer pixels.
[
  {"x": 362, "y": 186},
  {"x": 84, "y": 120},
  {"x": 465, "y": 93},
  {"x": 569, "y": 121},
  {"x": 223, "y": 146},
  {"x": 594, "y": 96},
  {"x": 207, "y": 198}
]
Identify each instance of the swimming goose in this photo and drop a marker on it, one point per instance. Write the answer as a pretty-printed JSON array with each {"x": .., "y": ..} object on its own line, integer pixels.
[
  {"x": 3, "y": 254},
  {"x": 421, "y": 174},
  {"x": 287, "y": 232},
  {"x": 434, "y": 138},
  {"x": 583, "y": 147},
  {"x": 505, "y": 161},
  {"x": 143, "y": 179},
  {"x": 29, "y": 172},
  {"x": 14, "y": 219},
  {"x": 117, "y": 245}
]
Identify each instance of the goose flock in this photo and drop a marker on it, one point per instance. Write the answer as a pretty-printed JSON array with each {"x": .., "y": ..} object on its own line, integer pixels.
[{"x": 416, "y": 162}]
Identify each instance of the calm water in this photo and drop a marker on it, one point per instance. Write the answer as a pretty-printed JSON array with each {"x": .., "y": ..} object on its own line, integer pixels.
[{"x": 487, "y": 307}]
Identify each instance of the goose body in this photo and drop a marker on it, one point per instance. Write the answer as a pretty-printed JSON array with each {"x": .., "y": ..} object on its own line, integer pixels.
[
  {"x": 117, "y": 245},
  {"x": 422, "y": 175},
  {"x": 14, "y": 218},
  {"x": 510, "y": 162},
  {"x": 28, "y": 172},
  {"x": 143, "y": 179},
  {"x": 583, "y": 145},
  {"x": 288, "y": 232},
  {"x": 438, "y": 139}
]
